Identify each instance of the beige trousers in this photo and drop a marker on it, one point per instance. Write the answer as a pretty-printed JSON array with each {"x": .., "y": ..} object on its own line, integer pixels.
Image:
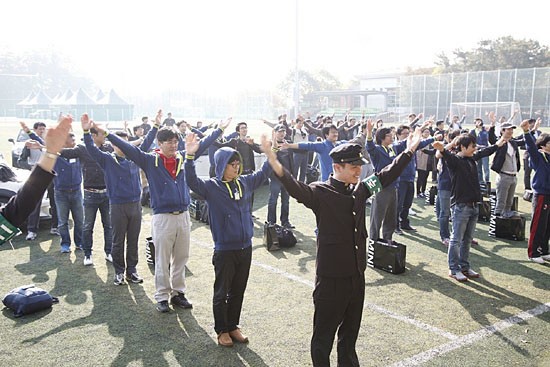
[{"x": 171, "y": 236}]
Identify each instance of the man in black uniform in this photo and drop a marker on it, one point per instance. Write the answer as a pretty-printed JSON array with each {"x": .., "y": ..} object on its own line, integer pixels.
[{"x": 339, "y": 207}]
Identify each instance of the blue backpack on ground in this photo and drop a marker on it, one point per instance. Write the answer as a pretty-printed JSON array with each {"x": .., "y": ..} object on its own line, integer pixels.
[{"x": 28, "y": 299}]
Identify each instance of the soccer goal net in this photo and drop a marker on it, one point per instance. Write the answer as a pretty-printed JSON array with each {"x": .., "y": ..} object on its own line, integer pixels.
[{"x": 474, "y": 110}]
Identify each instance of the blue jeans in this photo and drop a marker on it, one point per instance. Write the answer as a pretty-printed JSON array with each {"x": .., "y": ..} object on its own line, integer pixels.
[
  {"x": 464, "y": 225},
  {"x": 443, "y": 211},
  {"x": 276, "y": 188},
  {"x": 483, "y": 169},
  {"x": 94, "y": 201},
  {"x": 69, "y": 201},
  {"x": 405, "y": 196}
]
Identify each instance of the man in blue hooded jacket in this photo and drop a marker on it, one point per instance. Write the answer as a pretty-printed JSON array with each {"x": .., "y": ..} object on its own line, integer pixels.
[{"x": 228, "y": 195}]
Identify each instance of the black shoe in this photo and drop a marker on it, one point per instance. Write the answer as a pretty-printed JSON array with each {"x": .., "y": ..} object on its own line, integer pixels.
[
  {"x": 408, "y": 228},
  {"x": 398, "y": 231},
  {"x": 288, "y": 225},
  {"x": 162, "y": 306},
  {"x": 181, "y": 301},
  {"x": 134, "y": 278}
]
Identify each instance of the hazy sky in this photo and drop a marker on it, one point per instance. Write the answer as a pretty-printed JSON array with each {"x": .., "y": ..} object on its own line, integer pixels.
[{"x": 220, "y": 45}]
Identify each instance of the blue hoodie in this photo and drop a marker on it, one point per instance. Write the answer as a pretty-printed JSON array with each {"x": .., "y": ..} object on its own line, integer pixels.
[
  {"x": 540, "y": 162},
  {"x": 167, "y": 194},
  {"x": 122, "y": 176},
  {"x": 228, "y": 202}
]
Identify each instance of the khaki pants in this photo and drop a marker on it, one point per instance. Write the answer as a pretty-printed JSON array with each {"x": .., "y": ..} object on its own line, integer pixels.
[{"x": 171, "y": 235}]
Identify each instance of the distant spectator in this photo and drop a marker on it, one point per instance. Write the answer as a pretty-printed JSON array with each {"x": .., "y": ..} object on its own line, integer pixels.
[{"x": 169, "y": 121}]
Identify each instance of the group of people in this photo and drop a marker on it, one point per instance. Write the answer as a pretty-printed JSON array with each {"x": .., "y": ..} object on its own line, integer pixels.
[{"x": 369, "y": 163}]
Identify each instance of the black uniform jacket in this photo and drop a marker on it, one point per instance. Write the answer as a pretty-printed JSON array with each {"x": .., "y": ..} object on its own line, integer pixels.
[
  {"x": 340, "y": 216},
  {"x": 20, "y": 206}
]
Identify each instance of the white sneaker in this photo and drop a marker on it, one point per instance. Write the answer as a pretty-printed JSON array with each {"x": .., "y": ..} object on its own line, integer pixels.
[
  {"x": 471, "y": 274},
  {"x": 109, "y": 258},
  {"x": 538, "y": 260},
  {"x": 31, "y": 236},
  {"x": 459, "y": 276},
  {"x": 546, "y": 257},
  {"x": 54, "y": 231},
  {"x": 412, "y": 212},
  {"x": 88, "y": 260}
]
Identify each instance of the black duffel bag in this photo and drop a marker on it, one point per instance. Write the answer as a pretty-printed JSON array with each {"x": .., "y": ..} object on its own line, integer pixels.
[{"x": 277, "y": 237}]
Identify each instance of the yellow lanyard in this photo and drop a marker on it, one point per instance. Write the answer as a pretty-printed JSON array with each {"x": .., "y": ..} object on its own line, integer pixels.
[
  {"x": 389, "y": 150},
  {"x": 231, "y": 191}
]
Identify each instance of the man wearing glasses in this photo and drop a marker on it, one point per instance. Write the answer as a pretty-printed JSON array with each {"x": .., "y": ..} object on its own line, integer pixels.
[
  {"x": 170, "y": 224},
  {"x": 227, "y": 194}
]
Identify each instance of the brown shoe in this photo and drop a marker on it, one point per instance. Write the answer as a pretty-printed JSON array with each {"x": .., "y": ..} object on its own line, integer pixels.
[
  {"x": 237, "y": 336},
  {"x": 225, "y": 340}
]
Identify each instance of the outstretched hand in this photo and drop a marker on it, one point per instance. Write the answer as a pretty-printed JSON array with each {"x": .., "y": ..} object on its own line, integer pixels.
[
  {"x": 224, "y": 124},
  {"x": 524, "y": 125},
  {"x": 24, "y": 127},
  {"x": 370, "y": 125},
  {"x": 492, "y": 118},
  {"x": 99, "y": 128},
  {"x": 85, "y": 121},
  {"x": 414, "y": 139},
  {"x": 438, "y": 145},
  {"x": 271, "y": 156},
  {"x": 191, "y": 143},
  {"x": 158, "y": 118},
  {"x": 56, "y": 136},
  {"x": 265, "y": 144},
  {"x": 537, "y": 124}
]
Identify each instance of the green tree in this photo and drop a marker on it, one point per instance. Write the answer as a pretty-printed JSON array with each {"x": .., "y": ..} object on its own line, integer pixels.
[{"x": 501, "y": 53}]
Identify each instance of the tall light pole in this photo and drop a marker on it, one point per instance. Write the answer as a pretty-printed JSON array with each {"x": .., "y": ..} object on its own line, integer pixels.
[{"x": 296, "y": 73}]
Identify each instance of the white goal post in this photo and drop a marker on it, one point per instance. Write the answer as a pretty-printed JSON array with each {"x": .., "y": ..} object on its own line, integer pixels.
[{"x": 474, "y": 110}]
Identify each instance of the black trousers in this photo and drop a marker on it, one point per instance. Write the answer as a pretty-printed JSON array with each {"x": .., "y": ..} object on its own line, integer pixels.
[
  {"x": 338, "y": 307},
  {"x": 421, "y": 181},
  {"x": 231, "y": 269}
]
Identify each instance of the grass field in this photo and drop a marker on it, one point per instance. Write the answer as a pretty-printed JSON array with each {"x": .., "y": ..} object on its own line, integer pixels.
[{"x": 419, "y": 317}]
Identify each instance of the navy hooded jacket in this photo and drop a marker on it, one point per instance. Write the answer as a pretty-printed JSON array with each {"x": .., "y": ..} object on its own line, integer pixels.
[{"x": 228, "y": 202}]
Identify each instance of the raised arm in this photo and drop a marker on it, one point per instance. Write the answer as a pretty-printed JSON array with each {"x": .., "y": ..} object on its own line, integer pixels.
[
  {"x": 298, "y": 190},
  {"x": 195, "y": 183},
  {"x": 20, "y": 206},
  {"x": 31, "y": 133},
  {"x": 530, "y": 143},
  {"x": 205, "y": 142},
  {"x": 92, "y": 149},
  {"x": 268, "y": 123},
  {"x": 133, "y": 153},
  {"x": 150, "y": 137}
]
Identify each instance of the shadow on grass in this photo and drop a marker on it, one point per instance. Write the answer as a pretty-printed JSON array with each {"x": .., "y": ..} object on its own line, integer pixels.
[
  {"x": 148, "y": 337},
  {"x": 482, "y": 299}
]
